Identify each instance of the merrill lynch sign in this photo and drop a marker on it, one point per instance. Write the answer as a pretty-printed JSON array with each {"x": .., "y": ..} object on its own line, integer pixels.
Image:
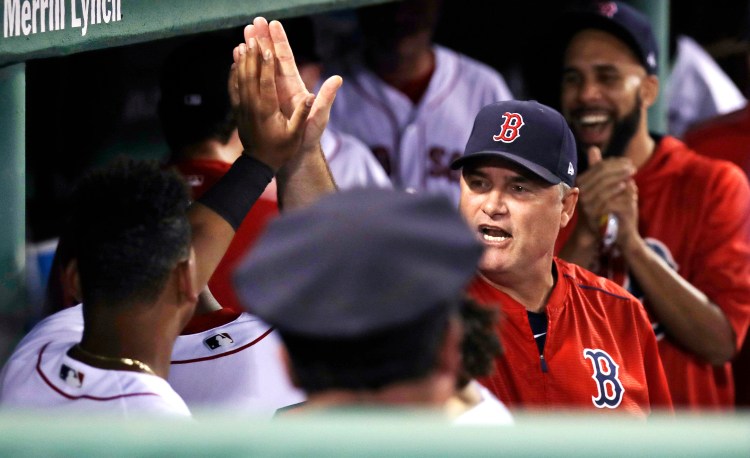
[{"x": 28, "y": 17}]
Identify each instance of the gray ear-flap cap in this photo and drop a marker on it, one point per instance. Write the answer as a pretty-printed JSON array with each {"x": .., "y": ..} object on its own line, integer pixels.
[{"x": 358, "y": 262}]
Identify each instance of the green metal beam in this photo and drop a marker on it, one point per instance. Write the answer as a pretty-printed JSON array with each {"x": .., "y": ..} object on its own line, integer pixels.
[
  {"x": 658, "y": 12},
  {"x": 30, "y": 32},
  {"x": 12, "y": 202}
]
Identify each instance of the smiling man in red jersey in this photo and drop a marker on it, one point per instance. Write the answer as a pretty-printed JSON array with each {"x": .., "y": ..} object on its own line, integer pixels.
[{"x": 682, "y": 245}]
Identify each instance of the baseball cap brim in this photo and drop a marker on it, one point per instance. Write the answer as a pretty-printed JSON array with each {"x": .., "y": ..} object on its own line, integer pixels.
[{"x": 537, "y": 170}]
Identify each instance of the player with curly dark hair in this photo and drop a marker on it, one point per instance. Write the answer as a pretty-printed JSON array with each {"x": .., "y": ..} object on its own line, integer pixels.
[{"x": 473, "y": 403}]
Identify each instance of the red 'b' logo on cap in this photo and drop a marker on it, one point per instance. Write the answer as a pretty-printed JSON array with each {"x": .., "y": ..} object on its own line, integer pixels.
[
  {"x": 509, "y": 131},
  {"x": 608, "y": 9}
]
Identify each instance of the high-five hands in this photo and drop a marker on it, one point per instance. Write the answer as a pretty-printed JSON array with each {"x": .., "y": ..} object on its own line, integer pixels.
[
  {"x": 266, "y": 133},
  {"x": 276, "y": 114}
]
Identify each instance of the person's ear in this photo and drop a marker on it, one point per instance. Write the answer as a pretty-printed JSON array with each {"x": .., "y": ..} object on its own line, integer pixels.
[
  {"x": 71, "y": 281},
  {"x": 185, "y": 270},
  {"x": 649, "y": 90},
  {"x": 569, "y": 201}
]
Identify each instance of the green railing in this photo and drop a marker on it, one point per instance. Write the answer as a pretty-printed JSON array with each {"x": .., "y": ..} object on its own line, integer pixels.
[{"x": 374, "y": 435}]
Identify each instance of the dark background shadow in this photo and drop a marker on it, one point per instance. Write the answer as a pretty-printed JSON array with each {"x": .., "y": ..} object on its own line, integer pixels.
[{"x": 85, "y": 109}]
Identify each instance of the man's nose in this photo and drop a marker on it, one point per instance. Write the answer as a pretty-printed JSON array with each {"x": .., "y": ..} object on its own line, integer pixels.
[{"x": 494, "y": 204}]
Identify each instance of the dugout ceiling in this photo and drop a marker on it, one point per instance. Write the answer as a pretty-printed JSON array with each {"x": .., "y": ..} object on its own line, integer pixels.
[{"x": 35, "y": 29}]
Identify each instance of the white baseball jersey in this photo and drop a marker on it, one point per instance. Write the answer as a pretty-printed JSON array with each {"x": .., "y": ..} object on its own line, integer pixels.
[
  {"x": 236, "y": 366},
  {"x": 417, "y": 143},
  {"x": 40, "y": 375},
  {"x": 351, "y": 162},
  {"x": 490, "y": 411},
  {"x": 698, "y": 88}
]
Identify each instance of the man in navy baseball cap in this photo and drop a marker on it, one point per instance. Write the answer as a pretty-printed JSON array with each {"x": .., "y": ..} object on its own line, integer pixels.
[
  {"x": 527, "y": 133},
  {"x": 623, "y": 21},
  {"x": 517, "y": 184},
  {"x": 662, "y": 195},
  {"x": 608, "y": 116},
  {"x": 517, "y": 192}
]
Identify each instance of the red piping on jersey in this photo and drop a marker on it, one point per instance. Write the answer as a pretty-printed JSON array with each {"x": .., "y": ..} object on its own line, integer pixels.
[
  {"x": 595, "y": 288},
  {"x": 84, "y": 396},
  {"x": 221, "y": 355}
]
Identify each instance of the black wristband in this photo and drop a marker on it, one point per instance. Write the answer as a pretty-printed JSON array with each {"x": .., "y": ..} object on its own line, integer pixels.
[{"x": 238, "y": 190}]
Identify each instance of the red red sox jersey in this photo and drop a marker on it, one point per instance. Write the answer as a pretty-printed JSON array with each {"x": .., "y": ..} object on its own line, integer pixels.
[
  {"x": 417, "y": 143},
  {"x": 600, "y": 353},
  {"x": 351, "y": 163},
  {"x": 40, "y": 375},
  {"x": 724, "y": 137},
  {"x": 201, "y": 175},
  {"x": 695, "y": 213},
  {"x": 728, "y": 137}
]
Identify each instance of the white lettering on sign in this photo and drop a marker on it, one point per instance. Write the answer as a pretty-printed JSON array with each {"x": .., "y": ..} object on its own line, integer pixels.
[
  {"x": 84, "y": 10},
  {"x": 25, "y": 16},
  {"x": 76, "y": 21},
  {"x": 29, "y": 17}
]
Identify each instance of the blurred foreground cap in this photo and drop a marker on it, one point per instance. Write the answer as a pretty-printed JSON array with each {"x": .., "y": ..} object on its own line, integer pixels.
[{"x": 358, "y": 262}]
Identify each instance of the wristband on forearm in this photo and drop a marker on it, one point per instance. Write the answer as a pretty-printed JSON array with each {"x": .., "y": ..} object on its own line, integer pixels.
[{"x": 238, "y": 190}]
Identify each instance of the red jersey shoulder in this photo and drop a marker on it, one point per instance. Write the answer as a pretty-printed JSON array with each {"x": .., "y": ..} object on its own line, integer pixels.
[
  {"x": 481, "y": 291},
  {"x": 675, "y": 157},
  {"x": 724, "y": 137},
  {"x": 592, "y": 284},
  {"x": 707, "y": 131}
]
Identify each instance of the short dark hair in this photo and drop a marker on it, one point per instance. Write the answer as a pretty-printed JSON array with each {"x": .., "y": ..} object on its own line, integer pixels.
[
  {"x": 194, "y": 104},
  {"x": 129, "y": 228},
  {"x": 481, "y": 344},
  {"x": 369, "y": 362}
]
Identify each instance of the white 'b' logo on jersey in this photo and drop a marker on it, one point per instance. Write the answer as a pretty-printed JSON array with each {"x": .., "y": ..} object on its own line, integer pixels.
[{"x": 509, "y": 131}]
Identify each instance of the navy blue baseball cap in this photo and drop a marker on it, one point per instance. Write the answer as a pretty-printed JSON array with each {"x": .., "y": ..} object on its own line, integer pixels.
[
  {"x": 527, "y": 133},
  {"x": 624, "y": 22},
  {"x": 359, "y": 262}
]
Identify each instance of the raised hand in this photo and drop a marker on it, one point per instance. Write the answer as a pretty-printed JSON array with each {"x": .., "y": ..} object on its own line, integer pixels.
[
  {"x": 288, "y": 80},
  {"x": 266, "y": 131},
  {"x": 608, "y": 188},
  {"x": 291, "y": 89},
  {"x": 603, "y": 184}
]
